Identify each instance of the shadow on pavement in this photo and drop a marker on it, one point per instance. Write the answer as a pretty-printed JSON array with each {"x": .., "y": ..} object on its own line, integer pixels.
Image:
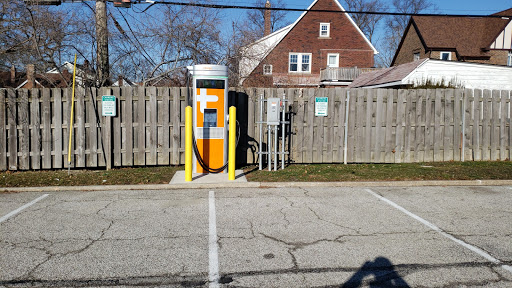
[{"x": 383, "y": 272}]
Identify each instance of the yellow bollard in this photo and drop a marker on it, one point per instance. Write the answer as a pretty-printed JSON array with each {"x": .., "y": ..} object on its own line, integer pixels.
[
  {"x": 188, "y": 144},
  {"x": 232, "y": 142}
]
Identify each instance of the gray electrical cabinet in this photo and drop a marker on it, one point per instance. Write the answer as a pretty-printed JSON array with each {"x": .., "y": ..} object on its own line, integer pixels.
[{"x": 273, "y": 110}]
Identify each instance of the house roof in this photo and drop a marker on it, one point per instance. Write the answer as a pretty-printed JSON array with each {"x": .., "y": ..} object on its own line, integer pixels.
[
  {"x": 459, "y": 74},
  {"x": 469, "y": 36},
  {"x": 260, "y": 49},
  {"x": 507, "y": 12},
  {"x": 46, "y": 80},
  {"x": 388, "y": 75}
]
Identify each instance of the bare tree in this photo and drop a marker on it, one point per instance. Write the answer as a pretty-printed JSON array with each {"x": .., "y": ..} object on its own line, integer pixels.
[
  {"x": 157, "y": 48},
  {"x": 254, "y": 26},
  {"x": 245, "y": 32},
  {"x": 396, "y": 25},
  {"x": 366, "y": 22},
  {"x": 28, "y": 37}
]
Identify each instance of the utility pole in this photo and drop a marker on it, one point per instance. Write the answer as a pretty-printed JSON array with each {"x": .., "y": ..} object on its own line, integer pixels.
[{"x": 102, "y": 43}]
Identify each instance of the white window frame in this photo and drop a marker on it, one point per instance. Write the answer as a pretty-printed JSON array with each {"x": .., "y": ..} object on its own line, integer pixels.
[
  {"x": 299, "y": 62},
  {"x": 445, "y": 52},
  {"x": 269, "y": 71},
  {"x": 416, "y": 56},
  {"x": 509, "y": 59},
  {"x": 328, "y": 30},
  {"x": 337, "y": 64}
]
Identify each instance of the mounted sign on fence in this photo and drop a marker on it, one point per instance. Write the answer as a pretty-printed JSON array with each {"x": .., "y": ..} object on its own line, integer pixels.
[
  {"x": 108, "y": 105},
  {"x": 321, "y": 104}
]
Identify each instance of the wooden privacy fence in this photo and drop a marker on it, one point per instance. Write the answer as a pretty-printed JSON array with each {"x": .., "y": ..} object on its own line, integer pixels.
[
  {"x": 384, "y": 126},
  {"x": 146, "y": 131}
]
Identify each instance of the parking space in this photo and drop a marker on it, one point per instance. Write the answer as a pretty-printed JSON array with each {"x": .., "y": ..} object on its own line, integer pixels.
[
  {"x": 104, "y": 238},
  {"x": 275, "y": 237}
]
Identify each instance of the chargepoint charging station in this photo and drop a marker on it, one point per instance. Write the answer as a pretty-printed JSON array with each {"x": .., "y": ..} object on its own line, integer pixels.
[{"x": 210, "y": 109}]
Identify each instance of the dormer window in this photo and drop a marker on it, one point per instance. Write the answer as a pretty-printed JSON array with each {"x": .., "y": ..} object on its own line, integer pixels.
[
  {"x": 445, "y": 56},
  {"x": 325, "y": 30}
]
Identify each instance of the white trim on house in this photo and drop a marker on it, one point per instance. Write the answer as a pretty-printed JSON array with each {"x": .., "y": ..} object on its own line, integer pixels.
[
  {"x": 337, "y": 63},
  {"x": 327, "y": 30},
  {"x": 299, "y": 62},
  {"x": 25, "y": 82},
  {"x": 504, "y": 40}
]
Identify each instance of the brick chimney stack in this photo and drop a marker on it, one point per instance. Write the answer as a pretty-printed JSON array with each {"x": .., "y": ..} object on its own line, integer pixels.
[
  {"x": 120, "y": 81},
  {"x": 266, "y": 17},
  {"x": 13, "y": 74},
  {"x": 31, "y": 76}
]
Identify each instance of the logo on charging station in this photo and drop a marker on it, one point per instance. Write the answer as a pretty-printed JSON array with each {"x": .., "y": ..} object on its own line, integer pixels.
[{"x": 203, "y": 98}]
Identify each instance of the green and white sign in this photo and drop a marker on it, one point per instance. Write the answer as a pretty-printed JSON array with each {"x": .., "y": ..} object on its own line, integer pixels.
[
  {"x": 108, "y": 105},
  {"x": 321, "y": 104}
]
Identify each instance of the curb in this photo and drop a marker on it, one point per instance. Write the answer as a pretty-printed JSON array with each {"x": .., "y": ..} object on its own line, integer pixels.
[{"x": 259, "y": 185}]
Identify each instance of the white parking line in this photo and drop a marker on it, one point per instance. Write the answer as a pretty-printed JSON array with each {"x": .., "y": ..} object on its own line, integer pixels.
[
  {"x": 22, "y": 207},
  {"x": 213, "y": 245},
  {"x": 440, "y": 231}
]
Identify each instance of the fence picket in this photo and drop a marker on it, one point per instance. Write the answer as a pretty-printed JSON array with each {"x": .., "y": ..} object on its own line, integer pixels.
[
  {"x": 175, "y": 119},
  {"x": 35, "y": 130},
  {"x": 310, "y": 125},
  {"x": 457, "y": 125},
  {"x": 3, "y": 132},
  {"x": 409, "y": 118},
  {"x": 390, "y": 122},
  {"x": 486, "y": 125},
  {"x": 23, "y": 133},
  {"x": 12, "y": 137},
  {"x": 495, "y": 125},
  {"x": 80, "y": 130},
  {"x": 400, "y": 123},
  {"x": 438, "y": 131},
  {"x": 419, "y": 152}
]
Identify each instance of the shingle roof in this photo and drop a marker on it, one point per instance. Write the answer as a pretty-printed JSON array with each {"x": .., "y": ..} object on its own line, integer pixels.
[
  {"x": 470, "y": 36},
  {"x": 507, "y": 12},
  {"x": 47, "y": 80},
  {"x": 388, "y": 75}
]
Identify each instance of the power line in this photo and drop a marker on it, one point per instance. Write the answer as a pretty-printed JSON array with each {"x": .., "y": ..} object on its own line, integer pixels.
[{"x": 219, "y": 6}]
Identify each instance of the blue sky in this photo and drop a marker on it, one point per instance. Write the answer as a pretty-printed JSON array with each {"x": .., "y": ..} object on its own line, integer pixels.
[{"x": 472, "y": 7}]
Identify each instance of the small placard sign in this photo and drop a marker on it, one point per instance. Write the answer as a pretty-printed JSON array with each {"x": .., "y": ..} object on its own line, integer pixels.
[
  {"x": 321, "y": 104},
  {"x": 108, "y": 105}
]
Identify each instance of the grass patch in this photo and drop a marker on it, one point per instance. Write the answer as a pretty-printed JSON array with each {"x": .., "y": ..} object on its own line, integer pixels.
[
  {"x": 385, "y": 172},
  {"x": 292, "y": 173},
  {"x": 122, "y": 176}
]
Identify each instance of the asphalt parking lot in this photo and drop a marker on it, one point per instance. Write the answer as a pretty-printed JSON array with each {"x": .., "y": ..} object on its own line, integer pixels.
[{"x": 256, "y": 237}]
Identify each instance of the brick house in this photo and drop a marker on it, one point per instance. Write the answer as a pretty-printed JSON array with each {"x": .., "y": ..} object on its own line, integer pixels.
[
  {"x": 296, "y": 54},
  {"x": 483, "y": 40}
]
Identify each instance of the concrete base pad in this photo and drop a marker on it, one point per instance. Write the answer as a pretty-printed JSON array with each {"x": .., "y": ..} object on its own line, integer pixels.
[{"x": 179, "y": 178}]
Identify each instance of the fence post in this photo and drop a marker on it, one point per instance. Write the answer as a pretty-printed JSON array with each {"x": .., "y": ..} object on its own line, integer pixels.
[{"x": 463, "y": 128}]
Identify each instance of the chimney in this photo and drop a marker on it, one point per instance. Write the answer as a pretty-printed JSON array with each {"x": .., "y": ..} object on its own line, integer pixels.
[
  {"x": 13, "y": 74},
  {"x": 31, "y": 79},
  {"x": 120, "y": 81},
  {"x": 266, "y": 18}
]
